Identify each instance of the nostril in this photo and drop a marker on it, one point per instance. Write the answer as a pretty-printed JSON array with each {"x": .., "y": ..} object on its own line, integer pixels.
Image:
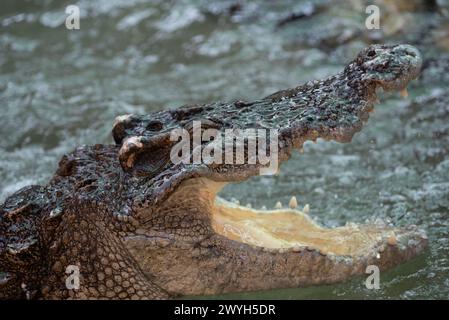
[
  {"x": 371, "y": 53},
  {"x": 408, "y": 50},
  {"x": 411, "y": 53}
]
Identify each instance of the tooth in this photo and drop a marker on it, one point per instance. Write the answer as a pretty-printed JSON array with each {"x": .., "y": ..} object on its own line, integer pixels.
[
  {"x": 404, "y": 93},
  {"x": 379, "y": 222},
  {"x": 278, "y": 205},
  {"x": 293, "y": 203},
  {"x": 378, "y": 256},
  {"x": 248, "y": 205},
  {"x": 392, "y": 240},
  {"x": 351, "y": 224},
  {"x": 263, "y": 208},
  {"x": 306, "y": 208},
  {"x": 296, "y": 248}
]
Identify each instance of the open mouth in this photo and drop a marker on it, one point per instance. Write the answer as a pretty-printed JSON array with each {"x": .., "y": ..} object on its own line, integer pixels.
[
  {"x": 292, "y": 228},
  {"x": 289, "y": 228}
]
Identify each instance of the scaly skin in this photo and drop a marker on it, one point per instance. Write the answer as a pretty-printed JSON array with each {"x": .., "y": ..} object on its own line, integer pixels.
[{"x": 140, "y": 227}]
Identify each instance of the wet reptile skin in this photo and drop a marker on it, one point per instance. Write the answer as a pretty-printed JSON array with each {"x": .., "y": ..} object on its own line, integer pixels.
[{"x": 125, "y": 215}]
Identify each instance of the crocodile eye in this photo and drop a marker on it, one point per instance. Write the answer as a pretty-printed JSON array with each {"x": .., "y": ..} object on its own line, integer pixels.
[{"x": 155, "y": 125}]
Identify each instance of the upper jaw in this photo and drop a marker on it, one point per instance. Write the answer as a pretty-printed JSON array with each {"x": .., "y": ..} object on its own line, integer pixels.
[{"x": 331, "y": 109}]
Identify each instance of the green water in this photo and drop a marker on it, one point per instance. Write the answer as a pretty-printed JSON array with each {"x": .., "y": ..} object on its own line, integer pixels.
[{"x": 62, "y": 88}]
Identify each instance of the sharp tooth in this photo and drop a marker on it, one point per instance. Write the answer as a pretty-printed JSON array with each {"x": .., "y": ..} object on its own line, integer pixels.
[
  {"x": 248, "y": 205},
  {"x": 278, "y": 205},
  {"x": 404, "y": 93},
  {"x": 322, "y": 252},
  {"x": 306, "y": 208},
  {"x": 263, "y": 208},
  {"x": 293, "y": 203},
  {"x": 379, "y": 222},
  {"x": 392, "y": 241}
]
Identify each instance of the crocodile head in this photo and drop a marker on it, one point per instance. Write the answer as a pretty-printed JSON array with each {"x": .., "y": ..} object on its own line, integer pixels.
[
  {"x": 142, "y": 219},
  {"x": 390, "y": 67}
]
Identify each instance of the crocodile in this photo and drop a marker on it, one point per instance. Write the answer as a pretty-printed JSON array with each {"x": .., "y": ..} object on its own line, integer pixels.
[{"x": 124, "y": 221}]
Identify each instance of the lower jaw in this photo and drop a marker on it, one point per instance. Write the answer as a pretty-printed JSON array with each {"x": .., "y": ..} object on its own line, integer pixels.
[
  {"x": 285, "y": 229},
  {"x": 270, "y": 249},
  {"x": 219, "y": 265}
]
